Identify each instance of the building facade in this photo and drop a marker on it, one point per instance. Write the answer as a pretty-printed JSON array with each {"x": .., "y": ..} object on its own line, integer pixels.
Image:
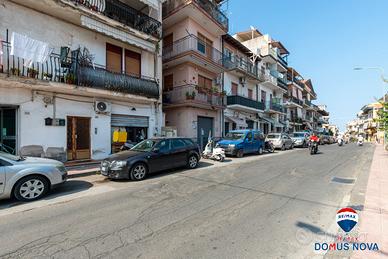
[
  {"x": 193, "y": 98},
  {"x": 98, "y": 84}
]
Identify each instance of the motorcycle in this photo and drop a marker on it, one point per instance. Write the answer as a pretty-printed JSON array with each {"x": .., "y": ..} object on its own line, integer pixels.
[
  {"x": 360, "y": 143},
  {"x": 313, "y": 146},
  {"x": 340, "y": 142},
  {"x": 214, "y": 153},
  {"x": 268, "y": 146}
]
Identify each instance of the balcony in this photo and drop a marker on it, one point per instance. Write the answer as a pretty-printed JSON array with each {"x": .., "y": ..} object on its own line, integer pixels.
[
  {"x": 192, "y": 49},
  {"x": 274, "y": 107},
  {"x": 293, "y": 101},
  {"x": 72, "y": 71},
  {"x": 296, "y": 120},
  {"x": 282, "y": 60},
  {"x": 307, "y": 102},
  {"x": 283, "y": 83},
  {"x": 242, "y": 66},
  {"x": 120, "y": 12},
  {"x": 208, "y": 8},
  {"x": 194, "y": 96},
  {"x": 243, "y": 103},
  {"x": 268, "y": 51}
]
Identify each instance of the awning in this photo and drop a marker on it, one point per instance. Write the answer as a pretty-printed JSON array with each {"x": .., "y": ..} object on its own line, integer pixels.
[
  {"x": 278, "y": 125},
  {"x": 267, "y": 119},
  {"x": 239, "y": 122}
]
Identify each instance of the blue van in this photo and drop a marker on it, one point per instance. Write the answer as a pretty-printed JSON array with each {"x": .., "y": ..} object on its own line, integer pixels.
[{"x": 240, "y": 142}]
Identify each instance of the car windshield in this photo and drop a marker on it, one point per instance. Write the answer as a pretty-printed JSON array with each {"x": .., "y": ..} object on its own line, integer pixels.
[
  {"x": 297, "y": 135},
  {"x": 235, "y": 135},
  {"x": 145, "y": 145},
  {"x": 273, "y": 136},
  {"x": 10, "y": 157}
]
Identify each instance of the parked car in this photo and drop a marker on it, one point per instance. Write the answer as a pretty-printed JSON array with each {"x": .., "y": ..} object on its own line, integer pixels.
[
  {"x": 29, "y": 178},
  {"x": 324, "y": 138},
  {"x": 241, "y": 142},
  {"x": 280, "y": 140},
  {"x": 301, "y": 139},
  {"x": 150, "y": 156}
]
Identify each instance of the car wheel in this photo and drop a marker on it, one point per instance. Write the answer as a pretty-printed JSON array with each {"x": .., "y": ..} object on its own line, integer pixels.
[
  {"x": 283, "y": 147},
  {"x": 260, "y": 151},
  {"x": 240, "y": 153},
  {"x": 31, "y": 188},
  {"x": 192, "y": 162},
  {"x": 304, "y": 144},
  {"x": 138, "y": 172}
]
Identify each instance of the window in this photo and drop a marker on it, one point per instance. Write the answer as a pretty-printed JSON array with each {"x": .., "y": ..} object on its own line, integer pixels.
[
  {"x": 258, "y": 136},
  {"x": 189, "y": 142},
  {"x": 132, "y": 63},
  {"x": 178, "y": 144},
  {"x": 168, "y": 40},
  {"x": 113, "y": 58},
  {"x": 168, "y": 82},
  {"x": 164, "y": 146},
  {"x": 234, "y": 89},
  {"x": 250, "y": 93},
  {"x": 228, "y": 54},
  {"x": 205, "y": 82},
  {"x": 249, "y": 136},
  {"x": 263, "y": 96},
  {"x": 205, "y": 45}
]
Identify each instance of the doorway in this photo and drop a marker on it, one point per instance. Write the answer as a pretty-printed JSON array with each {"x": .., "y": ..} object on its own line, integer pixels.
[
  {"x": 78, "y": 138},
  {"x": 205, "y": 126},
  {"x": 8, "y": 130}
]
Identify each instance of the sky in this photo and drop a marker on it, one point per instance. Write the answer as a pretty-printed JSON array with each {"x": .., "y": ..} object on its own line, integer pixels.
[{"x": 326, "y": 40}]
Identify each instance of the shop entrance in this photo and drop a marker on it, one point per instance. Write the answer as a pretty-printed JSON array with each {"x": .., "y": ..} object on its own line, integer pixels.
[
  {"x": 78, "y": 138},
  {"x": 8, "y": 129}
]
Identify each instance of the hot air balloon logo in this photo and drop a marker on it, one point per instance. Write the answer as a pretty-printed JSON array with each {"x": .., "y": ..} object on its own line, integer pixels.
[{"x": 347, "y": 218}]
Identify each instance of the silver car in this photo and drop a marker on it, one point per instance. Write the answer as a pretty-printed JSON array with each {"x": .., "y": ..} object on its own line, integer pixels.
[
  {"x": 280, "y": 141},
  {"x": 28, "y": 178},
  {"x": 301, "y": 139}
]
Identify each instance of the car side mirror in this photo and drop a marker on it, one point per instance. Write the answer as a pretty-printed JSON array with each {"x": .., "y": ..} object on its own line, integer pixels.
[{"x": 156, "y": 150}]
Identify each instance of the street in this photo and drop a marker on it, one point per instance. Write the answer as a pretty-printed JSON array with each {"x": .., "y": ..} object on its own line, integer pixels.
[{"x": 270, "y": 206}]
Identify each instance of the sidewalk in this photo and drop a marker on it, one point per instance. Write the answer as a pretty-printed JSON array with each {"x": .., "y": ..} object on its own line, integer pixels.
[{"x": 374, "y": 218}]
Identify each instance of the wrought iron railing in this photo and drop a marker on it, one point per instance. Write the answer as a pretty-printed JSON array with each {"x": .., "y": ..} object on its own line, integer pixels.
[
  {"x": 296, "y": 100},
  {"x": 242, "y": 65},
  {"x": 282, "y": 82},
  {"x": 69, "y": 70},
  {"x": 125, "y": 14},
  {"x": 192, "y": 43},
  {"x": 213, "y": 10},
  {"x": 307, "y": 102},
  {"x": 282, "y": 60},
  {"x": 274, "y": 106},
  {"x": 240, "y": 100},
  {"x": 194, "y": 94}
]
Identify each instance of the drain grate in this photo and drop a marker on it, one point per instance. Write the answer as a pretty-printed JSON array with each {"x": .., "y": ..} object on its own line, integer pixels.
[{"x": 343, "y": 180}]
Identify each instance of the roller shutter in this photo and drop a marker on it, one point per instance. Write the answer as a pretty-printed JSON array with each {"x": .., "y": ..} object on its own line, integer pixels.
[{"x": 119, "y": 120}]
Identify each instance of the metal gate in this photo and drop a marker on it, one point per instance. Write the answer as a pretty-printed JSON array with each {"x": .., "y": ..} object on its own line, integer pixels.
[{"x": 119, "y": 120}]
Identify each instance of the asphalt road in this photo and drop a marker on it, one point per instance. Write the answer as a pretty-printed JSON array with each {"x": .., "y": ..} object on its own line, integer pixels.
[{"x": 273, "y": 207}]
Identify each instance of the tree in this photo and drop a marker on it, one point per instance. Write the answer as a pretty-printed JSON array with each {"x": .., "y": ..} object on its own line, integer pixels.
[{"x": 383, "y": 117}]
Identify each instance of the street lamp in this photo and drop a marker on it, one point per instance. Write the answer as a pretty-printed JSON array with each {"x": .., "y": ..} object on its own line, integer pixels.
[{"x": 385, "y": 80}]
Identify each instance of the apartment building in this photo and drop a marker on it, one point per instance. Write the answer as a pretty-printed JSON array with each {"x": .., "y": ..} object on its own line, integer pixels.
[
  {"x": 309, "y": 95},
  {"x": 82, "y": 76},
  {"x": 294, "y": 100},
  {"x": 273, "y": 73},
  {"x": 241, "y": 79},
  {"x": 193, "y": 99}
]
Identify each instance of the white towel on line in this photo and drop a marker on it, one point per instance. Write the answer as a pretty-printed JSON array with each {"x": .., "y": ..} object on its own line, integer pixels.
[{"x": 30, "y": 50}]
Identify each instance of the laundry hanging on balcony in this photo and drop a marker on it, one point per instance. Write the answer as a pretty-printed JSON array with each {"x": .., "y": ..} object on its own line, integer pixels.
[{"x": 29, "y": 49}]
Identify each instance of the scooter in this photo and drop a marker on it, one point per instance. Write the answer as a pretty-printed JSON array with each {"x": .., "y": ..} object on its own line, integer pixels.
[
  {"x": 313, "y": 146},
  {"x": 360, "y": 143},
  {"x": 340, "y": 142},
  {"x": 268, "y": 146},
  {"x": 214, "y": 153}
]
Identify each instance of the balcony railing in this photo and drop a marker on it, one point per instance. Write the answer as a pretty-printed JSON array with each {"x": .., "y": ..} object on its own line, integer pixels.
[
  {"x": 296, "y": 119},
  {"x": 71, "y": 71},
  {"x": 192, "y": 43},
  {"x": 243, "y": 101},
  {"x": 282, "y": 60},
  {"x": 193, "y": 94},
  {"x": 307, "y": 102},
  {"x": 282, "y": 82},
  {"x": 171, "y": 6},
  {"x": 274, "y": 106},
  {"x": 296, "y": 100},
  {"x": 127, "y": 15},
  {"x": 268, "y": 51},
  {"x": 242, "y": 65}
]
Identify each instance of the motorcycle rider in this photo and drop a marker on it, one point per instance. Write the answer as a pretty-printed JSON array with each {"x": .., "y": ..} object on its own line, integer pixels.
[
  {"x": 314, "y": 137},
  {"x": 360, "y": 140}
]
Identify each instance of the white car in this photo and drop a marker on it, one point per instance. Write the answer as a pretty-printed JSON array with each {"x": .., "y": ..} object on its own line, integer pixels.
[
  {"x": 280, "y": 141},
  {"x": 29, "y": 178}
]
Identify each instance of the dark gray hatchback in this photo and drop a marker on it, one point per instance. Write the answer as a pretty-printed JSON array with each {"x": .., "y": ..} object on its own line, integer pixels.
[{"x": 150, "y": 156}]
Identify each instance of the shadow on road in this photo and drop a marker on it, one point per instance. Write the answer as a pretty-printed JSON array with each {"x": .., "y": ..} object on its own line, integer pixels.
[{"x": 69, "y": 187}]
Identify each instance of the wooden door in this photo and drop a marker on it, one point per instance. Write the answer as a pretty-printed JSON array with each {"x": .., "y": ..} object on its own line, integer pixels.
[
  {"x": 132, "y": 63},
  {"x": 78, "y": 138}
]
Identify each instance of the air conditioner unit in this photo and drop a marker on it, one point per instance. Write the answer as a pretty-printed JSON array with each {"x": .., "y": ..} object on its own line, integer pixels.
[
  {"x": 243, "y": 80},
  {"x": 102, "y": 107}
]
